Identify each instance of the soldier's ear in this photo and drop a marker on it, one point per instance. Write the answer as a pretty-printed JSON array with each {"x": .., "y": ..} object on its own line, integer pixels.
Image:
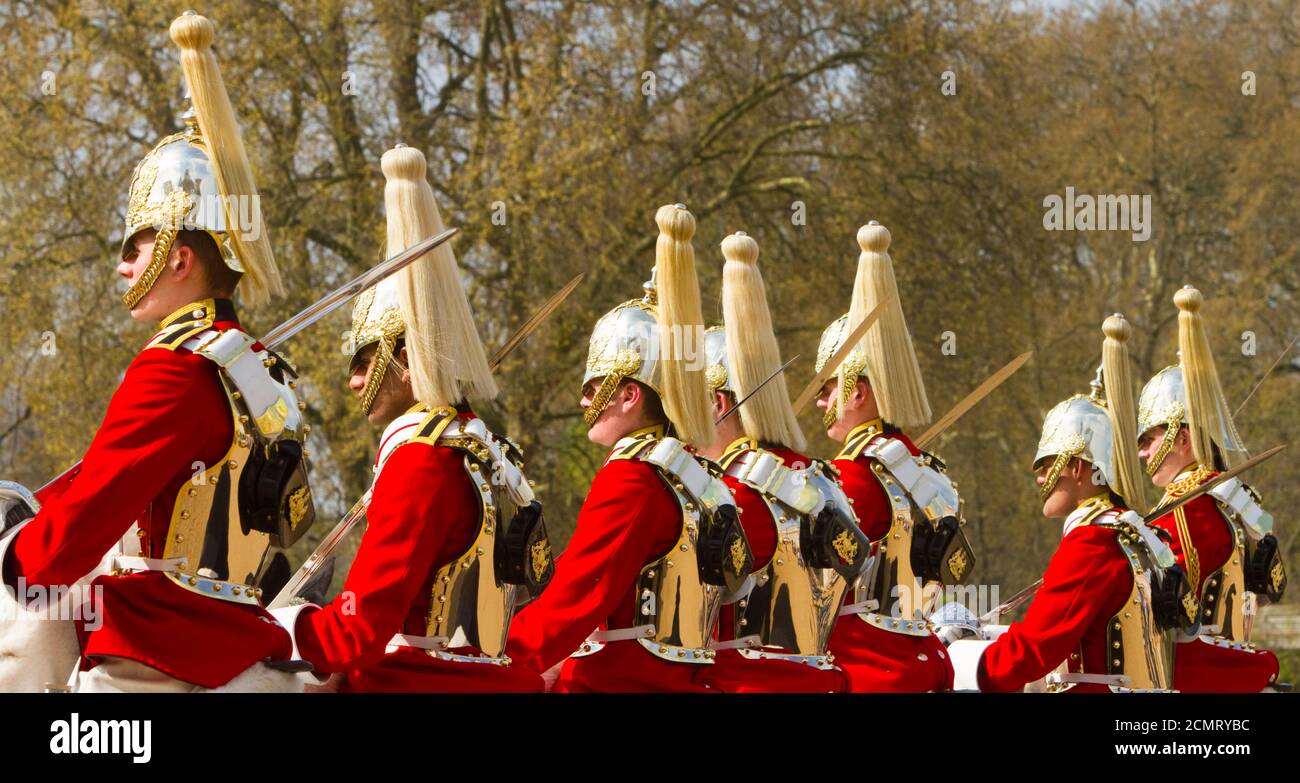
[
  {"x": 405, "y": 363},
  {"x": 630, "y": 395},
  {"x": 182, "y": 260},
  {"x": 720, "y": 399},
  {"x": 861, "y": 392}
]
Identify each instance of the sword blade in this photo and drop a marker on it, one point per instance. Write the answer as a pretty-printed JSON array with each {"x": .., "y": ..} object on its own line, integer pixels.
[
  {"x": 736, "y": 407},
  {"x": 971, "y": 400},
  {"x": 829, "y": 369},
  {"x": 321, "y": 554},
  {"x": 344, "y": 293},
  {"x": 1264, "y": 377},
  {"x": 1012, "y": 602},
  {"x": 1174, "y": 505},
  {"x": 535, "y": 321}
]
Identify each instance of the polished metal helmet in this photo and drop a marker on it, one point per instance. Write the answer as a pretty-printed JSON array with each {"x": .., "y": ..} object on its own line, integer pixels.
[
  {"x": 174, "y": 188},
  {"x": 1190, "y": 394},
  {"x": 201, "y": 180},
  {"x": 624, "y": 344},
  {"x": 377, "y": 320},
  {"x": 1077, "y": 427},
  {"x": 854, "y": 366},
  {"x": 1163, "y": 401}
]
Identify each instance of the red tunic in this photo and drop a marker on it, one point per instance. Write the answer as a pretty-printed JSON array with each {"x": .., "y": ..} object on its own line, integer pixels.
[
  {"x": 731, "y": 672},
  {"x": 423, "y": 513},
  {"x": 629, "y": 519},
  {"x": 169, "y": 413},
  {"x": 1200, "y": 667},
  {"x": 1087, "y": 581},
  {"x": 876, "y": 660}
]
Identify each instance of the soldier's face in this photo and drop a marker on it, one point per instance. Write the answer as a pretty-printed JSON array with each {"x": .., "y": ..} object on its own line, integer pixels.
[
  {"x": 1069, "y": 490},
  {"x": 860, "y": 407},
  {"x": 394, "y": 396},
  {"x": 622, "y": 414},
  {"x": 1179, "y": 457},
  {"x": 134, "y": 261}
]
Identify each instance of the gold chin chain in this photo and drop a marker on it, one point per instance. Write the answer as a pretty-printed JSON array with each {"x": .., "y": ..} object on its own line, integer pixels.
[
  {"x": 383, "y": 353},
  {"x": 1072, "y": 449},
  {"x": 625, "y": 363},
  {"x": 607, "y": 388},
  {"x": 162, "y": 246},
  {"x": 842, "y": 394},
  {"x": 1166, "y": 445}
]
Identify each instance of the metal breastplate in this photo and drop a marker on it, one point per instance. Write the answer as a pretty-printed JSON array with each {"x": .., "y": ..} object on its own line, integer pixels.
[
  {"x": 793, "y": 605},
  {"x": 231, "y": 518},
  {"x": 1226, "y": 601},
  {"x": 474, "y": 597},
  {"x": 675, "y": 606},
  {"x": 919, "y": 494},
  {"x": 1223, "y": 595},
  {"x": 1140, "y": 654}
]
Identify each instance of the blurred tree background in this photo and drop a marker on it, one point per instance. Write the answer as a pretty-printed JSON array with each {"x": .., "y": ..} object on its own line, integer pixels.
[{"x": 555, "y": 129}]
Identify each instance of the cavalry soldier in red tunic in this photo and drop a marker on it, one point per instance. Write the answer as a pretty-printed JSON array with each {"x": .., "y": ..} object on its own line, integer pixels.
[
  {"x": 658, "y": 546},
  {"x": 1105, "y": 616},
  {"x": 201, "y": 449},
  {"x": 799, "y": 523},
  {"x": 454, "y": 537},
  {"x": 903, "y": 497},
  {"x": 1223, "y": 539}
]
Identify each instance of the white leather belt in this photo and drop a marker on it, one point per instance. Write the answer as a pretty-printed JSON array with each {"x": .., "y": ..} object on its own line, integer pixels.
[
  {"x": 861, "y": 606},
  {"x": 744, "y": 642},
  {"x": 622, "y": 634},
  {"x": 419, "y": 642},
  {"x": 131, "y": 563}
]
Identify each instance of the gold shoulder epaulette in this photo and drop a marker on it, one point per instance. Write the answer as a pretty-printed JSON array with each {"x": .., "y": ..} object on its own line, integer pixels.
[
  {"x": 857, "y": 441},
  {"x": 175, "y": 335},
  {"x": 1095, "y": 508},
  {"x": 631, "y": 450},
  {"x": 740, "y": 446},
  {"x": 431, "y": 429}
]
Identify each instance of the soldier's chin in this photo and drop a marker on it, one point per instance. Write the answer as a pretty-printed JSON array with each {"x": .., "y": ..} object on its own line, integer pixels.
[
  {"x": 1055, "y": 506},
  {"x": 599, "y": 433},
  {"x": 142, "y": 310}
]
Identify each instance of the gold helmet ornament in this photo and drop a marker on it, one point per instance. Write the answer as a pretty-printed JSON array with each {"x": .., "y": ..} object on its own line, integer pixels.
[
  {"x": 885, "y": 356},
  {"x": 743, "y": 352},
  {"x": 1099, "y": 428},
  {"x": 1189, "y": 393},
  {"x": 424, "y": 304},
  {"x": 199, "y": 179},
  {"x": 658, "y": 340}
]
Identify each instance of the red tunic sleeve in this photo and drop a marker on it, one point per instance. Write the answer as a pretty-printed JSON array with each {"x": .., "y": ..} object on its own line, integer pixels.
[
  {"x": 1086, "y": 582},
  {"x": 147, "y": 439},
  {"x": 869, "y": 500},
  {"x": 423, "y": 513},
  {"x": 1212, "y": 540},
  {"x": 629, "y": 519}
]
